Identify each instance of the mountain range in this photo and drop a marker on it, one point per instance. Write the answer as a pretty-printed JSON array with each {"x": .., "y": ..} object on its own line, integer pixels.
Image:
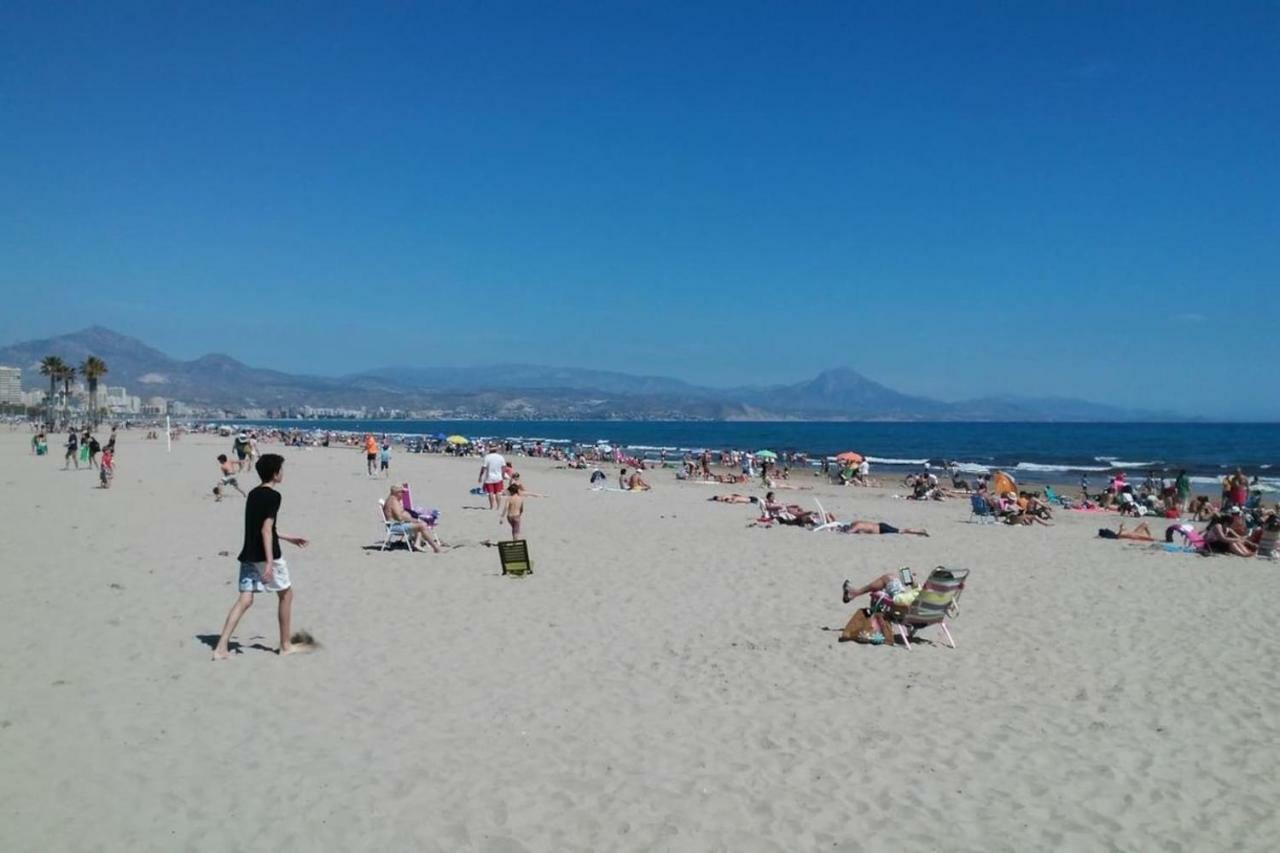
[{"x": 518, "y": 391}]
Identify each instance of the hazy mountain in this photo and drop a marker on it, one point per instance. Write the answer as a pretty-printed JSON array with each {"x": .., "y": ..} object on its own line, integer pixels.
[
  {"x": 843, "y": 392},
  {"x": 523, "y": 391}
]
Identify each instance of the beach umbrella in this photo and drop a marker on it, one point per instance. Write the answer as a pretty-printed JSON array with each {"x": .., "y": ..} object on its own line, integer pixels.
[
  {"x": 457, "y": 439},
  {"x": 850, "y": 457},
  {"x": 1002, "y": 483},
  {"x": 766, "y": 454},
  {"x": 438, "y": 436}
]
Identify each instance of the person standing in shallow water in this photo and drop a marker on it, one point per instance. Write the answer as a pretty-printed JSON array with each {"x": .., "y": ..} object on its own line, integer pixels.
[{"x": 261, "y": 566}]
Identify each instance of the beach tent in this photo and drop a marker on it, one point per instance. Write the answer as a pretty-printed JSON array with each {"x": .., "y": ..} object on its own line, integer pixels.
[
  {"x": 1002, "y": 483},
  {"x": 849, "y": 457},
  {"x": 457, "y": 439}
]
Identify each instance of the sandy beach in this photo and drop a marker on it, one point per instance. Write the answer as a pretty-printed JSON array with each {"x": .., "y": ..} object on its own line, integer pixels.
[{"x": 662, "y": 682}]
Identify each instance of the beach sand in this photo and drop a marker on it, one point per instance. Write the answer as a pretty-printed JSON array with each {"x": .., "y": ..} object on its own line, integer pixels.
[{"x": 662, "y": 682}]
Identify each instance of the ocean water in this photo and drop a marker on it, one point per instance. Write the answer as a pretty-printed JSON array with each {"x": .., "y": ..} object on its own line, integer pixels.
[{"x": 1034, "y": 451}]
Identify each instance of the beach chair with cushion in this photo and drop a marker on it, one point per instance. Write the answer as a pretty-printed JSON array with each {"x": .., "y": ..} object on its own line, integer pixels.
[
  {"x": 391, "y": 535},
  {"x": 981, "y": 510},
  {"x": 937, "y": 601},
  {"x": 515, "y": 558}
]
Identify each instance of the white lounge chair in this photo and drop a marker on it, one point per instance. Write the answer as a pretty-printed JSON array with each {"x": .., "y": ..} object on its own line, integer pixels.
[{"x": 392, "y": 536}]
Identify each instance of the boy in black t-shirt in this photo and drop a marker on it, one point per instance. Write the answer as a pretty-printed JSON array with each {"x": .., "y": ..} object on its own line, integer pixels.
[{"x": 261, "y": 568}]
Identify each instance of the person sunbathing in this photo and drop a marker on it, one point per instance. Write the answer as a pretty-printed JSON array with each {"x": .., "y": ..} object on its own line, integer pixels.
[
  {"x": 734, "y": 498},
  {"x": 875, "y": 528},
  {"x": 403, "y": 523},
  {"x": 1141, "y": 533},
  {"x": 891, "y": 585},
  {"x": 792, "y": 514},
  {"x": 1223, "y": 540}
]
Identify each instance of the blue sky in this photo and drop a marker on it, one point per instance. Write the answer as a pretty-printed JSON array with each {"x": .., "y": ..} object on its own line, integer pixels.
[{"x": 1077, "y": 199}]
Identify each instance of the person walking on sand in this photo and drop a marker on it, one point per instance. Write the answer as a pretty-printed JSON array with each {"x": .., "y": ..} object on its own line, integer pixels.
[
  {"x": 491, "y": 477},
  {"x": 370, "y": 453},
  {"x": 384, "y": 459},
  {"x": 261, "y": 567},
  {"x": 73, "y": 451}
]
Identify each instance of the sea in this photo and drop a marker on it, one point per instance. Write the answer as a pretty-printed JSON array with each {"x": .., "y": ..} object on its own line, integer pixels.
[{"x": 1037, "y": 452}]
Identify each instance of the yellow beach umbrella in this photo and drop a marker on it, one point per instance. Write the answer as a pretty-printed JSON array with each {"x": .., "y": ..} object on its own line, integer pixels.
[{"x": 457, "y": 439}]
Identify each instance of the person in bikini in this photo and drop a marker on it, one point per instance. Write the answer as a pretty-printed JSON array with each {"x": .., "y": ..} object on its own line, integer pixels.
[
  {"x": 1141, "y": 533},
  {"x": 1223, "y": 539}
]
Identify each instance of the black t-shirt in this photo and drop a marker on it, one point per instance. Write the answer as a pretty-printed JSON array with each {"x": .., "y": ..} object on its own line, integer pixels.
[{"x": 263, "y": 503}]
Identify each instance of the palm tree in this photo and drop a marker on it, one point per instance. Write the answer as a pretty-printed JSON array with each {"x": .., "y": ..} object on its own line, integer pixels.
[
  {"x": 68, "y": 376},
  {"x": 52, "y": 366},
  {"x": 92, "y": 369}
]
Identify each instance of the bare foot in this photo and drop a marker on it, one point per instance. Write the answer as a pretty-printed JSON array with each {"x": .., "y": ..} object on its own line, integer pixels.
[
  {"x": 295, "y": 649},
  {"x": 845, "y": 590},
  {"x": 220, "y": 655}
]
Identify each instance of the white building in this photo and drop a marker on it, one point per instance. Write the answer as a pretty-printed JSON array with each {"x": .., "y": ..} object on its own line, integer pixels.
[
  {"x": 11, "y": 385},
  {"x": 155, "y": 406}
]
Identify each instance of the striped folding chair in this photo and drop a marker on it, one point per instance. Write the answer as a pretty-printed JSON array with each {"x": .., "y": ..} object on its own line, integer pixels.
[{"x": 937, "y": 601}]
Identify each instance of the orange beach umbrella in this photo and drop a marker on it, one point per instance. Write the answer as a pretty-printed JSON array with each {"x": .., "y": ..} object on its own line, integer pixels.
[
  {"x": 1002, "y": 483},
  {"x": 850, "y": 457}
]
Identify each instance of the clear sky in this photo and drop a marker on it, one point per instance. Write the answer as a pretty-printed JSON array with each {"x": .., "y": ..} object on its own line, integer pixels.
[{"x": 1079, "y": 198}]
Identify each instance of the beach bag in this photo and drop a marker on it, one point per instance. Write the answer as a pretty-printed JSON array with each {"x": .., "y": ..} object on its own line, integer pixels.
[{"x": 860, "y": 626}]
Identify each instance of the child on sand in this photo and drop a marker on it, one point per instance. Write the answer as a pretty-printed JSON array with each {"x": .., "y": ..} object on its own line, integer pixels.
[
  {"x": 384, "y": 459},
  {"x": 513, "y": 510},
  {"x": 107, "y": 468},
  {"x": 261, "y": 568}
]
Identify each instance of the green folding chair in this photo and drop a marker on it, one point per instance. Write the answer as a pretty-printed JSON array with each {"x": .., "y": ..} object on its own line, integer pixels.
[{"x": 515, "y": 558}]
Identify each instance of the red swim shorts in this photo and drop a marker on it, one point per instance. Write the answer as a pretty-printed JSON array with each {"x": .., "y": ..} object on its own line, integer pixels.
[{"x": 493, "y": 488}]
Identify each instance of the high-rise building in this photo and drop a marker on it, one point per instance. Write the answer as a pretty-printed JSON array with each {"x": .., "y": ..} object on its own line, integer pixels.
[{"x": 11, "y": 385}]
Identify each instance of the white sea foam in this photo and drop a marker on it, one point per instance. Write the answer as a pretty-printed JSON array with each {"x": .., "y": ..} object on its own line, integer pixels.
[
  {"x": 878, "y": 461},
  {"x": 1036, "y": 467},
  {"x": 972, "y": 468},
  {"x": 1118, "y": 464}
]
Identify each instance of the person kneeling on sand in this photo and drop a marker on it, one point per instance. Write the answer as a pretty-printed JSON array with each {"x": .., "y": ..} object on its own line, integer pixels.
[
  {"x": 880, "y": 528},
  {"x": 403, "y": 523}
]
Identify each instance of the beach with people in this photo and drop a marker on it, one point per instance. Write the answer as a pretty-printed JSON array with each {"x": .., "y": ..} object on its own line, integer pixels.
[{"x": 671, "y": 677}]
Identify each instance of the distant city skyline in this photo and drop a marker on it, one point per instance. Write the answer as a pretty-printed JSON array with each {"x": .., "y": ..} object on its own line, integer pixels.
[{"x": 954, "y": 200}]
